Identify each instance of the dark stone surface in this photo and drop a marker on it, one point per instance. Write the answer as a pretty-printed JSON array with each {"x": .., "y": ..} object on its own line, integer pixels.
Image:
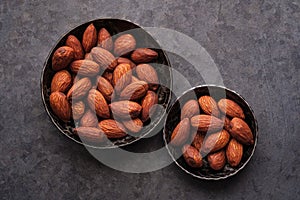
[{"x": 256, "y": 46}]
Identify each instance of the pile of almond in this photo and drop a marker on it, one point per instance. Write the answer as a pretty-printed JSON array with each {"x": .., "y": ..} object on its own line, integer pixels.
[
  {"x": 106, "y": 85},
  {"x": 212, "y": 131}
]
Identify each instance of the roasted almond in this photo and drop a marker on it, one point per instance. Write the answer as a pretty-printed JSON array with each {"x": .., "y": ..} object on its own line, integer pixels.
[
  {"x": 90, "y": 134},
  {"x": 190, "y": 109},
  {"x": 181, "y": 132},
  {"x": 121, "y": 77},
  {"x": 143, "y": 55},
  {"x": 197, "y": 141},
  {"x": 209, "y": 106},
  {"x": 77, "y": 109},
  {"x": 97, "y": 103},
  {"x": 105, "y": 87},
  {"x": 62, "y": 57},
  {"x": 206, "y": 123},
  {"x": 134, "y": 79},
  {"x": 61, "y": 81},
  {"x": 122, "y": 60},
  {"x": 146, "y": 72},
  {"x": 231, "y": 108},
  {"x": 75, "y": 44},
  {"x": 240, "y": 130},
  {"x": 124, "y": 44},
  {"x": 85, "y": 67},
  {"x": 125, "y": 109},
  {"x": 89, "y": 119},
  {"x": 88, "y": 56},
  {"x": 215, "y": 142},
  {"x": 105, "y": 40},
  {"x": 112, "y": 128},
  {"x": 60, "y": 106},
  {"x": 234, "y": 152},
  {"x": 108, "y": 75},
  {"x": 148, "y": 105},
  {"x": 134, "y": 91},
  {"x": 79, "y": 89},
  {"x": 89, "y": 38},
  {"x": 192, "y": 156},
  {"x": 104, "y": 58},
  {"x": 217, "y": 160},
  {"x": 133, "y": 125}
]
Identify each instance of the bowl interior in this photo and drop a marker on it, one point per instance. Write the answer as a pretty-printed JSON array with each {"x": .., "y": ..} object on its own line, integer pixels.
[
  {"x": 173, "y": 118},
  {"x": 143, "y": 39}
]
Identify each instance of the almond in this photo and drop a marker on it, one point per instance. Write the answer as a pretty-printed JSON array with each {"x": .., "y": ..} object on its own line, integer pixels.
[
  {"x": 190, "y": 109},
  {"x": 89, "y": 119},
  {"x": 124, "y": 44},
  {"x": 122, "y": 60},
  {"x": 146, "y": 72},
  {"x": 206, "y": 123},
  {"x": 108, "y": 75},
  {"x": 62, "y": 57},
  {"x": 60, "y": 106},
  {"x": 234, "y": 152},
  {"x": 209, "y": 105},
  {"x": 79, "y": 89},
  {"x": 197, "y": 141},
  {"x": 89, "y": 38},
  {"x": 105, "y": 87},
  {"x": 77, "y": 110},
  {"x": 88, "y": 56},
  {"x": 97, "y": 103},
  {"x": 85, "y": 67},
  {"x": 104, "y": 58},
  {"x": 90, "y": 134},
  {"x": 226, "y": 121},
  {"x": 61, "y": 81},
  {"x": 134, "y": 79},
  {"x": 125, "y": 109},
  {"x": 217, "y": 160},
  {"x": 181, "y": 132},
  {"x": 148, "y": 105},
  {"x": 192, "y": 156},
  {"x": 215, "y": 142},
  {"x": 231, "y": 108},
  {"x": 112, "y": 128},
  {"x": 134, "y": 91},
  {"x": 105, "y": 40},
  {"x": 240, "y": 130},
  {"x": 143, "y": 55},
  {"x": 75, "y": 44},
  {"x": 121, "y": 77},
  {"x": 133, "y": 125}
]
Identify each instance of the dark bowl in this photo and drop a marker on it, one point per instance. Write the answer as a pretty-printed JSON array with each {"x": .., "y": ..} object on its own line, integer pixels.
[
  {"x": 144, "y": 39},
  {"x": 173, "y": 118}
]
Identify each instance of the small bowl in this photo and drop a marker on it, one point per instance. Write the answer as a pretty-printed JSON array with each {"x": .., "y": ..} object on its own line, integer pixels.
[
  {"x": 173, "y": 118},
  {"x": 144, "y": 39}
]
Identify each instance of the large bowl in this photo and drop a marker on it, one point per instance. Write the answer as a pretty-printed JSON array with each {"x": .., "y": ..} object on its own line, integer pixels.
[
  {"x": 173, "y": 118},
  {"x": 144, "y": 39}
]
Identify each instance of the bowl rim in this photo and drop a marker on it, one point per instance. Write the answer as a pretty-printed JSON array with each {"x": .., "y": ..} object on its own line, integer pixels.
[
  {"x": 254, "y": 145},
  {"x": 45, "y": 66}
]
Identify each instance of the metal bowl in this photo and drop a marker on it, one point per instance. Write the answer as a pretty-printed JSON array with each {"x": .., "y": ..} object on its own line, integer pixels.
[
  {"x": 173, "y": 118},
  {"x": 144, "y": 39}
]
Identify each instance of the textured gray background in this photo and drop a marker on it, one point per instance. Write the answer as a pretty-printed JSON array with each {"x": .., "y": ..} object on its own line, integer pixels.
[{"x": 256, "y": 46}]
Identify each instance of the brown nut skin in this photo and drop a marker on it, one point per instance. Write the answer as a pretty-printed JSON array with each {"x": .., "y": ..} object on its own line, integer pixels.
[
  {"x": 104, "y": 58},
  {"x": 192, "y": 156},
  {"x": 61, "y": 81},
  {"x": 143, "y": 55},
  {"x": 234, "y": 152},
  {"x": 147, "y": 73},
  {"x": 98, "y": 103},
  {"x": 60, "y": 106},
  {"x": 190, "y": 109},
  {"x": 148, "y": 105},
  {"x": 90, "y": 134},
  {"x": 112, "y": 128},
  {"x": 215, "y": 142},
  {"x": 133, "y": 125},
  {"x": 108, "y": 75},
  {"x": 126, "y": 61},
  {"x": 134, "y": 91},
  {"x": 230, "y": 108},
  {"x": 62, "y": 57},
  {"x": 181, "y": 133},
  {"x": 124, "y": 44},
  {"x": 209, "y": 105},
  {"x": 240, "y": 130},
  {"x": 105, "y": 87},
  {"x": 89, "y": 38},
  {"x": 78, "y": 109},
  {"x": 197, "y": 141},
  {"x": 89, "y": 119},
  {"x": 105, "y": 40},
  {"x": 85, "y": 67},
  {"x": 79, "y": 89},
  {"x": 121, "y": 77},
  {"x": 226, "y": 121},
  {"x": 75, "y": 44},
  {"x": 217, "y": 160},
  {"x": 125, "y": 109},
  {"x": 206, "y": 123}
]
